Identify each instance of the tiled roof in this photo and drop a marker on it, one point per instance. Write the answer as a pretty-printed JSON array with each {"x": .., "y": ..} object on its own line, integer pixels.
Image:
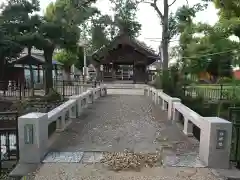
[{"x": 138, "y": 45}]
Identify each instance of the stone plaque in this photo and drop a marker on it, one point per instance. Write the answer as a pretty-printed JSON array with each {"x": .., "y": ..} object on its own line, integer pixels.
[
  {"x": 67, "y": 116},
  {"x": 28, "y": 134},
  {"x": 63, "y": 157},
  {"x": 221, "y": 136}
]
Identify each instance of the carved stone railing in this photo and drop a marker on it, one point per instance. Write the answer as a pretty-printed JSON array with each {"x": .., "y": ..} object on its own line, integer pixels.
[
  {"x": 215, "y": 132},
  {"x": 37, "y": 129}
]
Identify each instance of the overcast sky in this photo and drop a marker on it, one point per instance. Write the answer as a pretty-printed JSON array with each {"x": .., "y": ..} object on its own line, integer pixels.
[{"x": 149, "y": 19}]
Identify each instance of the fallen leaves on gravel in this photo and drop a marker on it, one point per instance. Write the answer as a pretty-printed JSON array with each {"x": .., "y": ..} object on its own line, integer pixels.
[{"x": 119, "y": 161}]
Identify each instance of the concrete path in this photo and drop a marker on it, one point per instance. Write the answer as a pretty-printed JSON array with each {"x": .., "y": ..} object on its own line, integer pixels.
[{"x": 119, "y": 122}]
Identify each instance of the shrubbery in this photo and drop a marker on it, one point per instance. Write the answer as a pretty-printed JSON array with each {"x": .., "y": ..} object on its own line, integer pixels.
[{"x": 172, "y": 84}]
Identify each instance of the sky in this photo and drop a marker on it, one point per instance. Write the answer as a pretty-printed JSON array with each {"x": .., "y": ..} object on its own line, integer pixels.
[{"x": 151, "y": 28}]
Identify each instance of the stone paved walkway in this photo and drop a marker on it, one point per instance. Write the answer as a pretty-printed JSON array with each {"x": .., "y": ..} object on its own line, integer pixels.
[
  {"x": 97, "y": 172},
  {"x": 119, "y": 122}
]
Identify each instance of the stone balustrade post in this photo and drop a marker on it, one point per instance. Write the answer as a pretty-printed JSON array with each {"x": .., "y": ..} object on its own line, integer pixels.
[
  {"x": 188, "y": 127},
  {"x": 61, "y": 123},
  {"x": 215, "y": 142},
  {"x": 158, "y": 98},
  {"x": 170, "y": 107},
  {"x": 145, "y": 91},
  {"x": 176, "y": 114},
  {"x": 90, "y": 95},
  {"x": 78, "y": 107},
  {"x": 33, "y": 137},
  {"x": 73, "y": 111}
]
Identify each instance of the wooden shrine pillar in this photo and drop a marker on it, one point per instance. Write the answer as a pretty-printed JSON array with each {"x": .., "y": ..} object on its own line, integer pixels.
[
  {"x": 38, "y": 74},
  {"x": 146, "y": 74},
  {"x": 56, "y": 71},
  {"x": 134, "y": 73}
]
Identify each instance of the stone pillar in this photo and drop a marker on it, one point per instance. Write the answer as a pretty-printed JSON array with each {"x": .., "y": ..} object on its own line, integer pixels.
[
  {"x": 154, "y": 93},
  {"x": 78, "y": 99},
  {"x": 98, "y": 92},
  {"x": 103, "y": 90},
  {"x": 188, "y": 127},
  {"x": 61, "y": 123},
  {"x": 175, "y": 116},
  {"x": 170, "y": 107},
  {"x": 90, "y": 95},
  {"x": 159, "y": 99},
  {"x": 163, "y": 105},
  {"x": 73, "y": 112},
  {"x": 215, "y": 142},
  {"x": 145, "y": 91},
  {"x": 33, "y": 137}
]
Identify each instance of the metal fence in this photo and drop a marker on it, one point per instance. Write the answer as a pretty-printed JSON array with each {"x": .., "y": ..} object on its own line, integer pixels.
[
  {"x": 234, "y": 117},
  {"x": 9, "y": 142},
  {"x": 13, "y": 90},
  {"x": 215, "y": 92},
  {"x": 73, "y": 87}
]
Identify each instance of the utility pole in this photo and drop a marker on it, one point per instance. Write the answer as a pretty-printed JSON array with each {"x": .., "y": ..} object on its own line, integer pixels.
[{"x": 83, "y": 44}]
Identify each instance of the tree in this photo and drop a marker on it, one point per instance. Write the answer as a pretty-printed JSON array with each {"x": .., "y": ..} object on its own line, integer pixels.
[
  {"x": 104, "y": 28},
  {"x": 79, "y": 63},
  {"x": 67, "y": 58},
  {"x": 8, "y": 49},
  {"x": 125, "y": 17},
  {"x": 184, "y": 26},
  {"x": 212, "y": 52},
  {"x": 60, "y": 29},
  {"x": 168, "y": 28},
  {"x": 23, "y": 26},
  {"x": 99, "y": 32}
]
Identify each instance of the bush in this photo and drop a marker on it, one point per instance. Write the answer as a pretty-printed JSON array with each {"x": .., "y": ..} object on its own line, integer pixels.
[
  {"x": 37, "y": 103},
  {"x": 225, "y": 80}
]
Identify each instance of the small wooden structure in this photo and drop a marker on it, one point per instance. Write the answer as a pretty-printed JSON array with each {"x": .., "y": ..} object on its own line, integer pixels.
[
  {"x": 121, "y": 54},
  {"x": 37, "y": 61}
]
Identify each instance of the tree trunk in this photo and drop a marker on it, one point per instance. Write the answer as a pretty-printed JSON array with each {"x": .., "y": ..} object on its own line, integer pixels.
[
  {"x": 165, "y": 35},
  {"x": 31, "y": 74},
  {"x": 2, "y": 68},
  {"x": 31, "y": 80},
  {"x": 165, "y": 43},
  {"x": 2, "y": 73},
  {"x": 66, "y": 74},
  {"x": 48, "y": 53}
]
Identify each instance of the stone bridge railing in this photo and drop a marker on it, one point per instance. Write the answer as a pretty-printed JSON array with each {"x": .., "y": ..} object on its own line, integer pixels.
[
  {"x": 35, "y": 134},
  {"x": 215, "y": 132}
]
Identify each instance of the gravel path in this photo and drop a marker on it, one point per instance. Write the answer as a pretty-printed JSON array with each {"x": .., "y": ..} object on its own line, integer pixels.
[
  {"x": 113, "y": 123},
  {"x": 119, "y": 122},
  {"x": 97, "y": 172},
  {"x": 116, "y": 123}
]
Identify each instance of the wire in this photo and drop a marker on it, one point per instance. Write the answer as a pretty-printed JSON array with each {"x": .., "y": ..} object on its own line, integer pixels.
[
  {"x": 160, "y": 39},
  {"x": 210, "y": 54}
]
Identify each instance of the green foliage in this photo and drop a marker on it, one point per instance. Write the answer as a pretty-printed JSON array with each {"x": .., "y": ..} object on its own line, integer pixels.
[
  {"x": 125, "y": 17},
  {"x": 204, "y": 47},
  {"x": 98, "y": 31},
  {"x": 229, "y": 13},
  {"x": 67, "y": 58},
  {"x": 17, "y": 29},
  {"x": 58, "y": 28},
  {"x": 80, "y": 58},
  {"x": 104, "y": 28}
]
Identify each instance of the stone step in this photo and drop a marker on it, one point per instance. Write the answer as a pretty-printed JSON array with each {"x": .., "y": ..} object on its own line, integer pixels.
[{"x": 90, "y": 157}]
